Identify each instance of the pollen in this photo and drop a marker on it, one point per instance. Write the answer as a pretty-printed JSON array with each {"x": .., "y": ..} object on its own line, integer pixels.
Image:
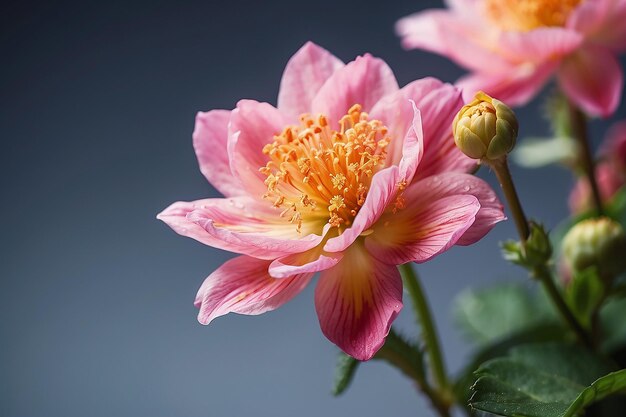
[
  {"x": 320, "y": 172},
  {"x": 524, "y": 15}
]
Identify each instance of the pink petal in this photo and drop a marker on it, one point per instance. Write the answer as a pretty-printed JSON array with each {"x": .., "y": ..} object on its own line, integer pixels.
[
  {"x": 539, "y": 45},
  {"x": 593, "y": 79},
  {"x": 304, "y": 75},
  {"x": 242, "y": 285},
  {"x": 395, "y": 233},
  {"x": 438, "y": 106},
  {"x": 312, "y": 261},
  {"x": 382, "y": 190},
  {"x": 438, "y": 103},
  {"x": 210, "y": 138},
  {"x": 240, "y": 225},
  {"x": 356, "y": 302},
  {"x": 603, "y": 22},
  {"x": 363, "y": 81},
  {"x": 412, "y": 148},
  {"x": 424, "y": 230},
  {"x": 252, "y": 126},
  {"x": 515, "y": 87},
  {"x": 465, "y": 39}
]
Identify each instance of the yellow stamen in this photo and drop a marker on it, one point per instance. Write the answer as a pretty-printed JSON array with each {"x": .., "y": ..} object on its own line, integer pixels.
[
  {"x": 319, "y": 173},
  {"x": 524, "y": 15}
]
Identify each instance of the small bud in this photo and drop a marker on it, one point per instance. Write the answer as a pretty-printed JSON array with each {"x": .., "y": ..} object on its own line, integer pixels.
[
  {"x": 486, "y": 128},
  {"x": 598, "y": 242}
]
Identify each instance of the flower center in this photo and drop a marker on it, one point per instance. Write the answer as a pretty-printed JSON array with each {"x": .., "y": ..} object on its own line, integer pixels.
[
  {"x": 524, "y": 15},
  {"x": 317, "y": 173}
]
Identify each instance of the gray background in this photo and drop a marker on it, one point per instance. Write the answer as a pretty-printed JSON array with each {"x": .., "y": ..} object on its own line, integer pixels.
[{"x": 98, "y": 103}]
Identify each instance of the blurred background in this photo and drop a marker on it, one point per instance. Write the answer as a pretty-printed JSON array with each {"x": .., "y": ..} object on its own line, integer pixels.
[{"x": 96, "y": 296}]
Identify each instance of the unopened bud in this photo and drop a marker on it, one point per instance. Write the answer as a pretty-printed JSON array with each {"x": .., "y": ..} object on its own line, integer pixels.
[
  {"x": 599, "y": 243},
  {"x": 485, "y": 129}
]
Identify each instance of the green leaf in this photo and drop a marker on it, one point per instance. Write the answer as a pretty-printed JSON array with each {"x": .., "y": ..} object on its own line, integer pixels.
[
  {"x": 613, "y": 324},
  {"x": 397, "y": 351},
  {"x": 546, "y": 380},
  {"x": 404, "y": 355},
  {"x": 344, "y": 373},
  {"x": 539, "y": 152},
  {"x": 494, "y": 313},
  {"x": 542, "y": 332},
  {"x": 584, "y": 294}
]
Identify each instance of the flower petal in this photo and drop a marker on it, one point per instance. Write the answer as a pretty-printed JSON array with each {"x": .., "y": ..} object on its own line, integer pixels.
[
  {"x": 539, "y": 45},
  {"x": 438, "y": 214},
  {"x": 305, "y": 73},
  {"x": 252, "y": 126},
  {"x": 602, "y": 22},
  {"x": 363, "y": 81},
  {"x": 423, "y": 231},
  {"x": 438, "y": 103},
  {"x": 382, "y": 190},
  {"x": 438, "y": 106},
  {"x": 240, "y": 225},
  {"x": 242, "y": 285},
  {"x": 210, "y": 138},
  {"x": 356, "y": 302},
  {"x": 467, "y": 41},
  {"x": 593, "y": 79},
  {"x": 311, "y": 261},
  {"x": 515, "y": 87}
]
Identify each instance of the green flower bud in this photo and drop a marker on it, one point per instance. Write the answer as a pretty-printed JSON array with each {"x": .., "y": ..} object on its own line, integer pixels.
[
  {"x": 485, "y": 129},
  {"x": 598, "y": 242}
]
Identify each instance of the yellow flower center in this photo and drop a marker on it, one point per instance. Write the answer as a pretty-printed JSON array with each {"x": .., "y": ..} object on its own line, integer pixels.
[
  {"x": 317, "y": 173},
  {"x": 524, "y": 15}
]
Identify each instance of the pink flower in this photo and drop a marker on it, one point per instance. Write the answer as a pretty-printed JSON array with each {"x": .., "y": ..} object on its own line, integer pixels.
[
  {"x": 512, "y": 48},
  {"x": 345, "y": 177},
  {"x": 610, "y": 172}
]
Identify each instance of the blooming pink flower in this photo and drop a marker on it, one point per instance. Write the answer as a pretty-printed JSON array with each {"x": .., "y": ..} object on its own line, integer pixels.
[
  {"x": 610, "y": 172},
  {"x": 345, "y": 176},
  {"x": 512, "y": 48}
]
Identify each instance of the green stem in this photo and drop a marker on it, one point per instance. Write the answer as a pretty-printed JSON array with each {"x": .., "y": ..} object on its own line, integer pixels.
[
  {"x": 429, "y": 334},
  {"x": 578, "y": 124},
  {"x": 542, "y": 271},
  {"x": 501, "y": 168},
  {"x": 543, "y": 274}
]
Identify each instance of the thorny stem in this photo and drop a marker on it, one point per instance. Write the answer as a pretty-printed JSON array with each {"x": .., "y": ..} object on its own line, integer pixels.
[
  {"x": 541, "y": 272},
  {"x": 444, "y": 398},
  {"x": 579, "y": 130}
]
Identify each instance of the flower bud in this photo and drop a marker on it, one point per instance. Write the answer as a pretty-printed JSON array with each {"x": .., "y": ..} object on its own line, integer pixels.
[
  {"x": 485, "y": 129},
  {"x": 598, "y": 242}
]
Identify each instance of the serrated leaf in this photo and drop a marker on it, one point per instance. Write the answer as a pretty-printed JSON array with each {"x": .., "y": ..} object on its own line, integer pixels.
[
  {"x": 494, "y": 313},
  {"x": 539, "y": 333},
  {"x": 547, "y": 380},
  {"x": 344, "y": 373}
]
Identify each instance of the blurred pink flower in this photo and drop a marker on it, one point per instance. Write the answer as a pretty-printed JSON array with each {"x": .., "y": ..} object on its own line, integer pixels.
[
  {"x": 512, "y": 48},
  {"x": 349, "y": 175},
  {"x": 610, "y": 171}
]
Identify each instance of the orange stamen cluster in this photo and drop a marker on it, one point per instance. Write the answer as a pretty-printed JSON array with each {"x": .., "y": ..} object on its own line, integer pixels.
[
  {"x": 524, "y": 15},
  {"x": 317, "y": 173}
]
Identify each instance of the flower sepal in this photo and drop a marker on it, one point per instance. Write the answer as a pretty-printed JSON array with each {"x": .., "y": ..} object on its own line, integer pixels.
[{"x": 537, "y": 250}]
